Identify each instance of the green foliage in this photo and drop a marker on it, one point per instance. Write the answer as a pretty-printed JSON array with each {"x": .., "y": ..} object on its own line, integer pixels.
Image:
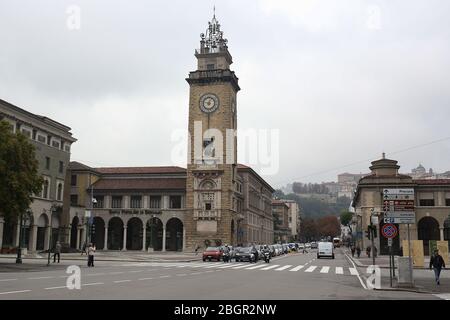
[
  {"x": 346, "y": 217},
  {"x": 19, "y": 178}
]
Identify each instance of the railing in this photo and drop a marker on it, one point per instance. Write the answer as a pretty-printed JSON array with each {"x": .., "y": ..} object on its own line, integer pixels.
[{"x": 207, "y": 214}]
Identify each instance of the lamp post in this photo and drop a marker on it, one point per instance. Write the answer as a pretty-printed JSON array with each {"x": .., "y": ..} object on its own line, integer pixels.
[
  {"x": 53, "y": 209},
  {"x": 25, "y": 218}
]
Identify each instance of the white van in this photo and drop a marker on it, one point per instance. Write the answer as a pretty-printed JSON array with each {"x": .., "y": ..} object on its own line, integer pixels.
[{"x": 325, "y": 249}]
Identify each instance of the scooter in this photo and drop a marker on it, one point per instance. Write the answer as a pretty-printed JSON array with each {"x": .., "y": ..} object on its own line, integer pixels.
[
  {"x": 226, "y": 257},
  {"x": 266, "y": 257}
]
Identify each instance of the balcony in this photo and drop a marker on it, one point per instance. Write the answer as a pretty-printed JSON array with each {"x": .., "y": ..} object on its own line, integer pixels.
[{"x": 206, "y": 215}]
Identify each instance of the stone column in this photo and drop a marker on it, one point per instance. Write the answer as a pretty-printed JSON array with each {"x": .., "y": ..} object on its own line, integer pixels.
[
  {"x": 17, "y": 236},
  {"x": 105, "y": 247},
  {"x": 82, "y": 237},
  {"x": 164, "y": 239},
  {"x": 2, "y": 222},
  {"x": 144, "y": 237},
  {"x": 33, "y": 238},
  {"x": 184, "y": 239},
  {"x": 124, "y": 238},
  {"x": 48, "y": 231},
  {"x": 442, "y": 233},
  {"x": 77, "y": 244}
]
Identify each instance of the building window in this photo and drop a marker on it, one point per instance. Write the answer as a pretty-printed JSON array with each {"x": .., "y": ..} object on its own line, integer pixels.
[
  {"x": 74, "y": 200},
  {"x": 208, "y": 206},
  {"x": 175, "y": 202},
  {"x": 45, "y": 189},
  {"x": 447, "y": 202},
  {"x": 55, "y": 144},
  {"x": 73, "y": 180},
  {"x": 427, "y": 202},
  {"x": 136, "y": 202},
  {"x": 26, "y": 133},
  {"x": 155, "y": 202},
  {"x": 116, "y": 202},
  {"x": 100, "y": 202},
  {"x": 41, "y": 138},
  {"x": 210, "y": 66},
  {"x": 67, "y": 147},
  {"x": 59, "y": 192},
  {"x": 47, "y": 163},
  {"x": 61, "y": 167}
]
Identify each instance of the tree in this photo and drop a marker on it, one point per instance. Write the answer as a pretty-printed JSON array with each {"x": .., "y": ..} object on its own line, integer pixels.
[
  {"x": 346, "y": 218},
  {"x": 308, "y": 229},
  {"x": 19, "y": 178},
  {"x": 329, "y": 226}
]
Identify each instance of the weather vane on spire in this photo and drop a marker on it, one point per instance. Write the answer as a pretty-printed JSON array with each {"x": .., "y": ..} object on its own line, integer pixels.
[{"x": 212, "y": 40}]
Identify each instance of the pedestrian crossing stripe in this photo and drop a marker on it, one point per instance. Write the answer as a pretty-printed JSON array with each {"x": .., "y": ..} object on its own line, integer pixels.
[
  {"x": 255, "y": 267},
  {"x": 339, "y": 270},
  {"x": 240, "y": 267},
  {"x": 353, "y": 271},
  {"x": 271, "y": 267},
  {"x": 311, "y": 269},
  {"x": 297, "y": 268},
  {"x": 230, "y": 265},
  {"x": 283, "y": 268},
  {"x": 325, "y": 270}
]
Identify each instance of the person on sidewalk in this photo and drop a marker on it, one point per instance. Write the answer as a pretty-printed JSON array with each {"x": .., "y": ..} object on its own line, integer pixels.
[
  {"x": 353, "y": 250},
  {"x": 368, "y": 251},
  {"x": 358, "y": 251},
  {"x": 57, "y": 252},
  {"x": 91, "y": 253},
  {"x": 437, "y": 263}
]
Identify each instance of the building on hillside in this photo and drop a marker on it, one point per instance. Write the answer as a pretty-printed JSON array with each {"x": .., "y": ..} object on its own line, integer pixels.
[
  {"x": 432, "y": 206},
  {"x": 347, "y": 183},
  {"x": 280, "y": 211},
  {"x": 52, "y": 141}
]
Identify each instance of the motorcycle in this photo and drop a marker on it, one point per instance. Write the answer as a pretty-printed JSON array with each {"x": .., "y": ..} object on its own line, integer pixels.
[
  {"x": 226, "y": 257},
  {"x": 266, "y": 257}
]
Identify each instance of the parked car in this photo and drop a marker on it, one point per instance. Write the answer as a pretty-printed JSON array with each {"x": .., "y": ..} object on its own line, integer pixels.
[
  {"x": 301, "y": 246},
  {"x": 314, "y": 245},
  {"x": 273, "y": 250},
  {"x": 244, "y": 254},
  {"x": 292, "y": 247},
  {"x": 285, "y": 248},
  {"x": 212, "y": 253},
  {"x": 307, "y": 245},
  {"x": 325, "y": 249}
]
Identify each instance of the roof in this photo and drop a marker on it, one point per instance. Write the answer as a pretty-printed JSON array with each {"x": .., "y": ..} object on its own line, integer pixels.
[
  {"x": 141, "y": 184},
  {"x": 432, "y": 182},
  {"x": 140, "y": 170},
  {"x": 77, "y": 166},
  {"x": 242, "y": 167}
]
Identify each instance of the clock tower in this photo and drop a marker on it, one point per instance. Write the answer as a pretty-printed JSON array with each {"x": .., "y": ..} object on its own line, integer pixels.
[{"x": 211, "y": 217}]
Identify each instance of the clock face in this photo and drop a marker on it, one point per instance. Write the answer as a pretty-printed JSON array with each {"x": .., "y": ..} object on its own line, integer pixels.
[{"x": 209, "y": 103}]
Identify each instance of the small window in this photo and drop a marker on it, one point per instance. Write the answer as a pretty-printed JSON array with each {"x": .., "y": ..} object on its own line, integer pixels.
[
  {"x": 47, "y": 163},
  {"x": 116, "y": 202},
  {"x": 73, "y": 180},
  {"x": 208, "y": 206},
  {"x": 74, "y": 200},
  {"x": 27, "y": 133},
  {"x": 136, "y": 202},
  {"x": 59, "y": 192},
  {"x": 210, "y": 66},
  {"x": 67, "y": 147},
  {"x": 41, "y": 138},
  {"x": 155, "y": 202},
  {"x": 100, "y": 201},
  {"x": 55, "y": 144},
  {"x": 447, "y": 202},
  {"x": 427, "y": 202},
  {"x": 45, "y": 189},
  {"x": 175, "y": 202},
  {"x": 61, "y": 167}
]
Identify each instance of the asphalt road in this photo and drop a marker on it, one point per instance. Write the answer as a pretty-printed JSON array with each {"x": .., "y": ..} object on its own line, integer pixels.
[{"x": 290, "y": 277}]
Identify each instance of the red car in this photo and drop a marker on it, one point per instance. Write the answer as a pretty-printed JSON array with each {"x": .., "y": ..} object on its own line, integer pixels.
[{"x": 212, "y": 253}]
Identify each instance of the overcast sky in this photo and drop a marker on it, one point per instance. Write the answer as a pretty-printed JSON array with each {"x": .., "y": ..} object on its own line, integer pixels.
[{"x": 342, "y": 81}]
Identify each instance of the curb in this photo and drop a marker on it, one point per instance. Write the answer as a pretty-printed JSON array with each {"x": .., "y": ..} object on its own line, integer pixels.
[
  {"x": 110, "y": 260},
  {"x": 405, "y": 290}
]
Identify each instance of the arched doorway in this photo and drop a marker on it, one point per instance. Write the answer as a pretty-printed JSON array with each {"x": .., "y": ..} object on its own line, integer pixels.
[
  {"x": 74, "y": 232},
  {"x": 428, "y": 229},
  {"x": 42, "y": 224},
  {"x": 154, "y": 233},
  {"x": 98, "y": 233},
  {"x": 134, "y": 234},
  {"x": 447, "y": 230},
  {"x": 174, "y": 235},
  {"x": 115, "y": 234}
]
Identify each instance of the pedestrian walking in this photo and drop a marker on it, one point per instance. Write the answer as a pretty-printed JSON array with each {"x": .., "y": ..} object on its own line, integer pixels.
[
  {"x": 358, "y": 251},
  {"x": 91, "y": 253},
  {"x": 437, "y": 263},
  {"x": 57, "y": 252},
  {"x": 353, "y": 251},
  {"x": 368, "y": 251}
]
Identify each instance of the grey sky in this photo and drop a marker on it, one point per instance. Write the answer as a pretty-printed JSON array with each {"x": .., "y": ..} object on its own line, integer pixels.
[{"x": 343, "y": 81}]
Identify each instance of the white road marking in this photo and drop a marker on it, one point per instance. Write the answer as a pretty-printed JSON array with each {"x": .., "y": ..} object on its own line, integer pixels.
[
  {"x": 311, "y": 269},
  {"x": 145, "y": 279},
  {"x": 119, "y": 272},
  {"x": 97, "y": 274},
  {"x": 11, "y": 292},
  {"x": 240, "y": 267},
  {"x": 184, "y": 274},
  {"x": 210, "y": 271},
  {"x": 52, "y": 288},
  {"x": 231, "y": 265},
  {"x": 283, "y": 267},
  {"x": 120, "y": 281},
  {"x": 339, "y": 270},
  {"x": 164, "y": 276},
  {"x": 271, "y": 267},
  {"x": 213, "y": 266},
  {"x": 353, "y": 271},
  {"x": 8, "y": 279},
  {"x": 325, "y": 270},
  {"x": 37, "y": 278},
  {"x": 297, "y": 268},
  {"x": 136, "y": 271},
  {"x": 254, "y": 267},
  {"x": 194, "y": 273},
  {"x": 93, "y": 284},
  {"x": 444, "y": 296}
]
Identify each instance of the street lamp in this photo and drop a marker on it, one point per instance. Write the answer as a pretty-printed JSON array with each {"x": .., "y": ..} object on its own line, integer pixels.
[
  {"x": 53, "y": 209},
  {"x": 25, "y": 219}
]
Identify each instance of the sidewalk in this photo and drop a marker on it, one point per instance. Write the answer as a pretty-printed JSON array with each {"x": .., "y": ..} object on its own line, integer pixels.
[{"x": 125, "y": 256}]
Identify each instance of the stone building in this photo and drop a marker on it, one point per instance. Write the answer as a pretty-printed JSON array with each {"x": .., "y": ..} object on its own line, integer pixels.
[
  {"x": 52, "y": 141},
  {"x": 280, "y": 211},
  {"x": 293, "y": 218},
  {"x": 432, "y": 206}
]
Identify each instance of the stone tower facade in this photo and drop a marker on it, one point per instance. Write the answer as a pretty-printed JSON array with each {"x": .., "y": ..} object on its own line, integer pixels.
[{"x": 211, "y": 214}]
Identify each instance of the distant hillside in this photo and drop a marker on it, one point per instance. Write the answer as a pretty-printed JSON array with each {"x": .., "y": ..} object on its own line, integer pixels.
[{"x": 313, "y": 208}]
